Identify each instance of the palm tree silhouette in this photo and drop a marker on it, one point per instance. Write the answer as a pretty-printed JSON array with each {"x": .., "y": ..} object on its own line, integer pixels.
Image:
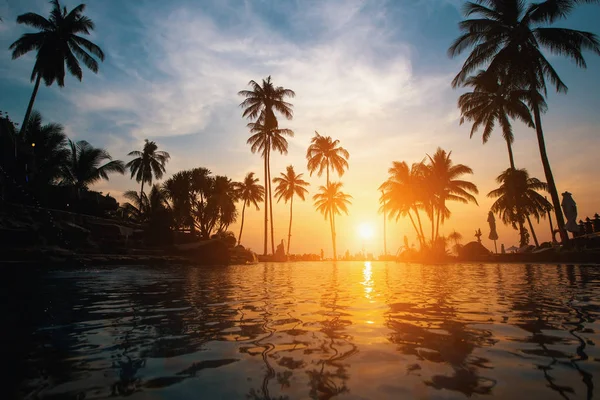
[
  {"x": 48, "y": 142},
  {"x": 85, "y": 166},
  {"x": 324, "y": 154},
  {"x": 250, "y": 192},
  {"x": 288, "y": 185},
  {"x": 517, "y": 198},
  {"x": 140, "y": 208},
  {"x": 263, "y": 140},
  {"x": 492, "y": 100},
  {"x": 259, "y": 106},
  {"x": 441, "y": 180},
  {"x": 148, "y": 164},
  {"x": 403, "y": 193},
  {"x": 57, "y": 43},
  {"x": 511, "y": 36},
  {"x": 329, "y": 202}
]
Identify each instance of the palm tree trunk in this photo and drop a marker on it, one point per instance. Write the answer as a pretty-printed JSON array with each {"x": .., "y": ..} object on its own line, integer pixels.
[
  {"x": 560, "y": 222},
  {"x": 142, "y": 199},
  {"x": 521, "y": 228},
  {"x": 510, "y": 155},
  {"x": 290, "y": 228},
  {"x": 266, "y": 206},
  {"x": 331, "y": 221},
  {"x": 437, "y": 224},
  {"x": 384, "y": 230},
  {"x": 242, "y": 225},
  {"x": 30, "y": 106},
  {"x": 432, "y": 224},
  {"x": 271, "y": 208},
  {"x": 414, "y": 226},
  {"x": 533, "y": 232},
  {"x": 422, "y": 236},
  {"x": 332, "y": 217}
]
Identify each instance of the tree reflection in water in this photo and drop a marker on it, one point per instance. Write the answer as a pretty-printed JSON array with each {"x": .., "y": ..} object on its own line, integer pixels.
[{"x": 317, "y": 330}]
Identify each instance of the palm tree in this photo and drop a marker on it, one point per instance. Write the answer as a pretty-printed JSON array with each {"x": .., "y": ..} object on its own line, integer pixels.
[
  {"x": 250, "y": 192},
  {"x": 178, "y": 189},
  {"x": 442, "y": 182},
  {"x": 263, "y": 140},
  {"x": 511, "y": 36},
  {"x": 85, "y": 166},
  {"x": 148, "y": 207},
  {"x": 331, "y": 201},
  {"x": 456, "y": 237},
  {"x": 48, "y": 144},
  {"x": 383, "y": 200},
  {"x": 492, "y": 100},
  {"x": 57, "y": 43},
  {"x": 288, "y": 185},
  {"x": 403, "y": 193},
  {"x": 517, "y": 198},
  {"x": 259, "y": 106},
  {"x": 324, "y": 154},
  {"x": 148, "y": 164}
]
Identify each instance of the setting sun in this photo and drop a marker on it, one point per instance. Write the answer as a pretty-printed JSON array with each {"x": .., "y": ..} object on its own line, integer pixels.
[{"x": 366, "y": 231}]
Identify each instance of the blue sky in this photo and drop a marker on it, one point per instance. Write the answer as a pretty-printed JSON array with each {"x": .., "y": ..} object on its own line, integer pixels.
[{"x": 373, "y": 74}]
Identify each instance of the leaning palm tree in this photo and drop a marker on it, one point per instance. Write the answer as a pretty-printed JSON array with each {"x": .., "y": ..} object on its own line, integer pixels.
[
  {"x": 288, "y": 185},
  {"x": 263, "y": 140},
  {"x": 329, "y": 202},
  {"x": 494, "y": 99},
  {"x": 510, "y": 37},
  {"x": 57, "y": 43},
  {"x": 441, "y": 180},
  {"x": 404, "y": 193},
  {"x": 517, "y": 199},
  {"x": 260, "y": 105},
  {"x": 249, "y": 192},
  {"x": 85, "y": 165},
  {"x": 149, "y": 163}
]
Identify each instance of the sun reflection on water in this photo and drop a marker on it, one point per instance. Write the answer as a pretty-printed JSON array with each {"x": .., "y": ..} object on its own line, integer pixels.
[{"x": 368, "y": 281}]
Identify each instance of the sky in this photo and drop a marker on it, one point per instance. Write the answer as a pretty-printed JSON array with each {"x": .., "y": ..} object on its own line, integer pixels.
[{"x": 374, "y": 74}]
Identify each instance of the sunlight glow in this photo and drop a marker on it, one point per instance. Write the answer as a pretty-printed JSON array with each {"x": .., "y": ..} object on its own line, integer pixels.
[{"x": 366, "y": 231}]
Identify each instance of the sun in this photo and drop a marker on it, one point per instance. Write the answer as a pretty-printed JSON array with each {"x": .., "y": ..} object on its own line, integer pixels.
[{"x": 366, "y": 231}]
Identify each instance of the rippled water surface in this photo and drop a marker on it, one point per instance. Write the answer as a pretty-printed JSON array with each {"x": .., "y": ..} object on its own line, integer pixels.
[{"x": 305, "y": 330}]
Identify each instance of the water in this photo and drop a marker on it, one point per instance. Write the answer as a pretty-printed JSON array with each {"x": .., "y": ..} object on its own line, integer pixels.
[{"x": 305, "y": 330}]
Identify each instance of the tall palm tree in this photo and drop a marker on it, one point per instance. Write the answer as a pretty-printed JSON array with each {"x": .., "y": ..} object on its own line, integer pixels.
[
  {"x": 494, "y": 99},
  {"x": 288, "y": 185},
  {"x": 85, "y": 166},
  {"x": 517, "y": 199},
  {"x": 48, "y": 144},
  {"x": 403, "y": 194},
  {"x": 329, "y": 202},
  {"x": 510, "y": 37},
  {"x": 260, "y": 105},
  {"x": 443, "y": 184},
  {"x": 57, "y": 43},
  {"x": 324, "y": 154},
  {"x": 263, "y": 140},
  {"x": 148, "y": 163},
  {"x": 250, "y": 192}
]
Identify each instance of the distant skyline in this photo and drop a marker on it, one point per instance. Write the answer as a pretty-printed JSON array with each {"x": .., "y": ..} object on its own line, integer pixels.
[{"x": 373, "y": 74}]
